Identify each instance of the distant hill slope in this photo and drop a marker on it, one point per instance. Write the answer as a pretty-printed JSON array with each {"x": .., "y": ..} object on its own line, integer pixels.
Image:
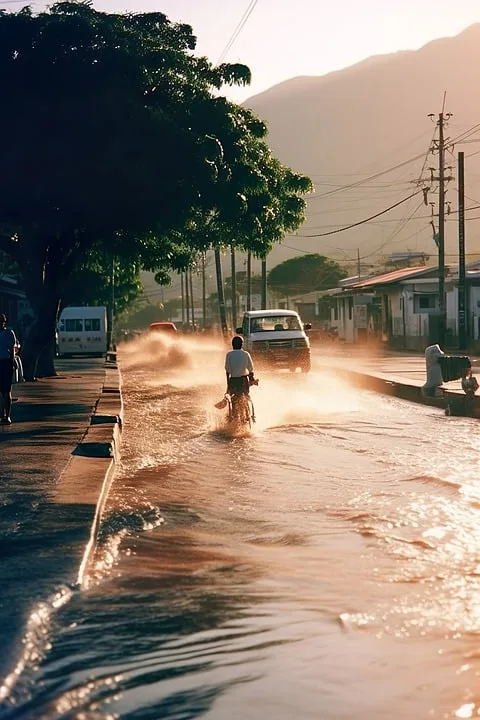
[{"x": 349, "y": 124}]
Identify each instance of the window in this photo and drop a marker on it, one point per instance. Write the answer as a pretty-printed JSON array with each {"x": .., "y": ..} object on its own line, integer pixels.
[
  {"x": 425, "y": 303},
  {"x": 92, "y": 324},
  {"x": 73, "y": 325},
  {"x": 350, "y": 308},
  {"x": 269, "y": 323}
]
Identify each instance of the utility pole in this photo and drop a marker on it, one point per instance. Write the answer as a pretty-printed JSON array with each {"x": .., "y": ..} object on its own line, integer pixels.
[
  {"x": 204, "y": 293},
  {"x": 187, "y": 301},
  {"x": 462, "y": 293},
  {"x": 221, "y": 296},
  {"x": 234, "y": 288},
  {"x": 439, "y": 236},
  {"x": 183, "y": 299},
  {"x": 359, "y": 269},
  {"x": 249, "y": 280},
  {"x": 441, "y": 231},
  {"x": 264, "y": 283},
  {"x": 111, "y": 344},
  {"x": 191, "y": 299}
]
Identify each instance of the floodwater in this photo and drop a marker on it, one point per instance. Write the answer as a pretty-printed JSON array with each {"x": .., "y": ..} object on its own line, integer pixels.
[{"x": 324, "y": 566}]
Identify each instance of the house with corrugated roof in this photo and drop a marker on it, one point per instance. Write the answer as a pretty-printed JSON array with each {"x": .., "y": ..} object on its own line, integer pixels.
[
  {"x": 402, "y": 307},
  {"x": 399, "y": 307}
]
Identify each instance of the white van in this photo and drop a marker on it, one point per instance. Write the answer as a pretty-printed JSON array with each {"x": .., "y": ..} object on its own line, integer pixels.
[
  {"x": 82, "y": 331},
  {"x": 276, "y": 338}
]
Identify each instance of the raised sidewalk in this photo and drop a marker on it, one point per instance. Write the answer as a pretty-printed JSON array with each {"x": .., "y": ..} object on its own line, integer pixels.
[
  {"x": 56, "y": 463},
  {"x": 400, "y": 375}
]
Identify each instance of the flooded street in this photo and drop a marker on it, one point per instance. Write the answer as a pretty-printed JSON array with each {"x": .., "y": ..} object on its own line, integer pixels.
[{"x": 324, "y": 566}]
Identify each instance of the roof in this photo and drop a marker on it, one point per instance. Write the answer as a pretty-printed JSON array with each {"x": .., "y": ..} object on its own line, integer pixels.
[
  {"x": 161, "y": 325},
  {"x": 393, "y": 277},
  {"x": 83, "y": 311},
  {"x": 269, "y": 313}
]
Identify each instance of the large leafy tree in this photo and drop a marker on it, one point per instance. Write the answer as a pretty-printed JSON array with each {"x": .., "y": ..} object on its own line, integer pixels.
[
  {"x": 305, "y": 273},
  {"x": 101, "y": 279},
  {"x": 112, "y": 134}
]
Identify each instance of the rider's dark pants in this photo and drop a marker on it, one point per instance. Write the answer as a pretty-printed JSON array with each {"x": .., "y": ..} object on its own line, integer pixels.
[{"x": 238, "y": 385}]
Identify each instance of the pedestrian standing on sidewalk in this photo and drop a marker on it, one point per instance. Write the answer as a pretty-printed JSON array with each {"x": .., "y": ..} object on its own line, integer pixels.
[{"x": 8, "y": 343}]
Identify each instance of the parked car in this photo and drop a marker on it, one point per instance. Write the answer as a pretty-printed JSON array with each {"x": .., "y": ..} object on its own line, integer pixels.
[
  {"x": 276, "y": 338},
  {"x": 163, "y": 327}
]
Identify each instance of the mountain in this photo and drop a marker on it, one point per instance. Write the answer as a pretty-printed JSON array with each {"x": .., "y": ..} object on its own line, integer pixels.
[{"x": 345, "y": 126}]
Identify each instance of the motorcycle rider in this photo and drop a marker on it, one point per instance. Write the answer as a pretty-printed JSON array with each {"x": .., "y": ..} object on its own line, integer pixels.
[{"x": 239, "y": 368}]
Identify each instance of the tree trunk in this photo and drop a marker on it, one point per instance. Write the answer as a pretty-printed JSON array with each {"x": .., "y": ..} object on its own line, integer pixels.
[
  {"x": 37, "y": 352},
  {"x": 38, "y": 347},
  {"x": 221, "y": 297},
  {"x": 46, "y": 263},
  {"x": 234, "y": 289},
  {"x": 264, "y": 283},
  {"x": 249, "y": 281},
  {"x": 46, "y": 361}
]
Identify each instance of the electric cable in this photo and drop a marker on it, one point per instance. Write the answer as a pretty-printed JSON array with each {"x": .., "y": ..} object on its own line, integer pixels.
[
  {"x": 238, "y": 30},
  {"x": 362, "y": 222},
  {"x": 365, "y": 180},
  {"x": 465, "y": 135}
]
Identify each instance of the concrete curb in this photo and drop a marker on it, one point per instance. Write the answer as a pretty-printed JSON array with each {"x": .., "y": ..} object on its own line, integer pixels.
[
  {"x": 452, "y": 401},
  {"x": 86, "y": 480}
]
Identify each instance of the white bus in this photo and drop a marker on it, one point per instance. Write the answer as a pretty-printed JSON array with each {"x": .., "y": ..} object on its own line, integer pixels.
[{"x": 82, "y": 331}]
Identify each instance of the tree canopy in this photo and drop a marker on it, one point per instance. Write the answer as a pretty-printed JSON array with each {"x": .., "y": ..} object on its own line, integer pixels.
[
  {"x": 114, "y": 135},
  {"x": 91, "y": 282},
  {"x": 305, "y": 273}
]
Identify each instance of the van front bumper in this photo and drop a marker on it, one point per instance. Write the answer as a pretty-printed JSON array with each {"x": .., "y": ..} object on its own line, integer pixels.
[{"x": 281, "y": 356}]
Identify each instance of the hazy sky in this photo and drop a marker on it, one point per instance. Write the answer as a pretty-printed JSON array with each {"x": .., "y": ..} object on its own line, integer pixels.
[{"x": 286, "y": 38}]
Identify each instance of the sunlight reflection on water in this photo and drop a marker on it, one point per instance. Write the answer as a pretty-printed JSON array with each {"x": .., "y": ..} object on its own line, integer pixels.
[{"x": 327, "y": 561}]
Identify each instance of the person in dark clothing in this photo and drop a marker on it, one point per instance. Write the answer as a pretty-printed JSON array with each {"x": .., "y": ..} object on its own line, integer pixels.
[{"x": 8, "y": 343}]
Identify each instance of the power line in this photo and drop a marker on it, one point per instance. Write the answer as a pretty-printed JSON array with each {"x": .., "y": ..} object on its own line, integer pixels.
[
  {"x": 394, "y": 234},
  {"x": 362, "y": 222},
  {"x": 429, "y": 150},
  {"x": 238, "y": 30},
  {"x": 365, "y": 180},
  {"x": 463, "y": 136},
  {"x": 401, "y": 219}
]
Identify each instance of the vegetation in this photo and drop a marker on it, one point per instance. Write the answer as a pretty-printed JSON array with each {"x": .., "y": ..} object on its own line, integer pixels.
[
  {"x": 305, "y": 273},
  {"x": 116, "y": 142},
  {"x": 91, "y": 282}
]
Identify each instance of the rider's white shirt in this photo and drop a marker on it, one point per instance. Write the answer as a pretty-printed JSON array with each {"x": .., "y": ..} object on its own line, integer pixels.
[{"x": 238, "y": 363}]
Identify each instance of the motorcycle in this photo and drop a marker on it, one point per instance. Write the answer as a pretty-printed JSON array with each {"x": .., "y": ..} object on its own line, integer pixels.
[{"x": 241, "y": 410}]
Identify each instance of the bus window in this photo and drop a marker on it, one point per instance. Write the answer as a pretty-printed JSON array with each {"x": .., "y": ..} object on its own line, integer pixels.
[
  {"x": 73, "y": 325},
  {"x": 92, "y": 324}
]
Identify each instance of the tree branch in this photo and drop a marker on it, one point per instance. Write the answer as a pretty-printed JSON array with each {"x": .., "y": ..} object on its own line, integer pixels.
[{"x": 9, "y": 246}]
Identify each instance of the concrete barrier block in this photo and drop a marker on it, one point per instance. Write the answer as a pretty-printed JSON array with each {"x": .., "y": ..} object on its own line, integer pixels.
[
  {"x": 82, "y": 481},
  {"x": 100, "y": 441},
  {"x": 105, "y": 419},
  {"x": 112, "y": 379},
  {"x": 109, "y": 404}
]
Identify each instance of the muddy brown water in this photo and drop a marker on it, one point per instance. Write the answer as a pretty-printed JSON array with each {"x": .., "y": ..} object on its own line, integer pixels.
[{"x": 325, "y": 565}]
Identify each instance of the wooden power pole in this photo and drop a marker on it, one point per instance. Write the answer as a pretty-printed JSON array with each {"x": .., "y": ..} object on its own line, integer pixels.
[{"x": 462, "y": 290}]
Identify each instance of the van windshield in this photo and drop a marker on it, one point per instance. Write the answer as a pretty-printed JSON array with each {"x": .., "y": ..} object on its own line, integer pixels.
[{"x": 274, "y": 323}]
